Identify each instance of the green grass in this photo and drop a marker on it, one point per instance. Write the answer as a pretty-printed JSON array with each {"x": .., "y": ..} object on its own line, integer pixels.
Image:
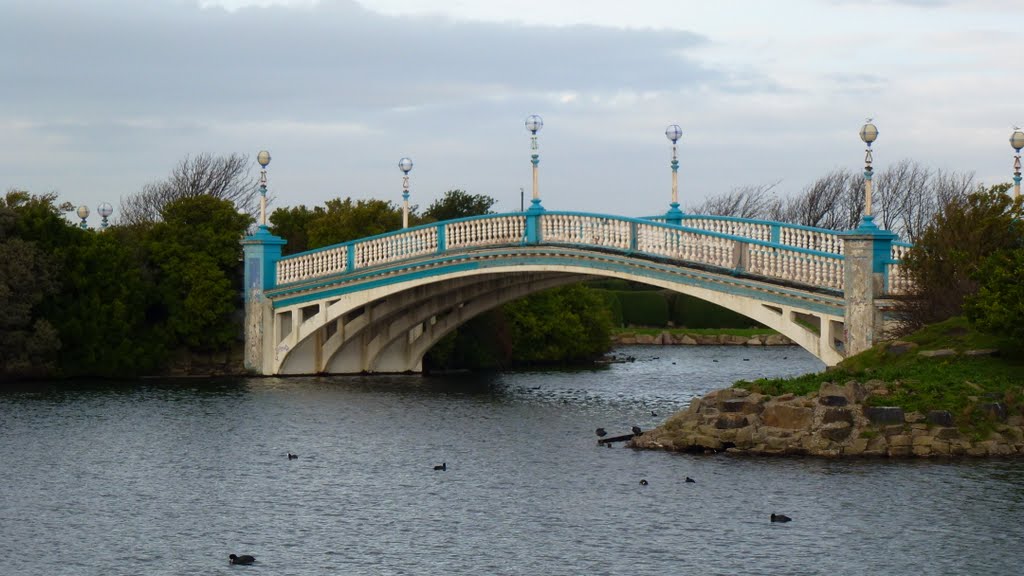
[
  {"x": 745, "y": 332},
  {"x": 960, "y": 384}
]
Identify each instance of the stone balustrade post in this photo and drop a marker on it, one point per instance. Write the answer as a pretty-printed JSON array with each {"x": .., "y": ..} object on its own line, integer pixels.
[
  {"x": 867, "y": 250},
  {"x": 261, "y": 252}
]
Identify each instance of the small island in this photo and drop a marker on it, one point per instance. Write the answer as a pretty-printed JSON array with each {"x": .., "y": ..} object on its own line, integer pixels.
[{"x": 946, "y": 390}]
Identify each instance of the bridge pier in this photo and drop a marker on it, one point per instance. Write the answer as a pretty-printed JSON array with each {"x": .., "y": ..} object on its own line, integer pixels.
[
  {"x": 261, "y": 251},
  {"x": 867, "y": 250}
]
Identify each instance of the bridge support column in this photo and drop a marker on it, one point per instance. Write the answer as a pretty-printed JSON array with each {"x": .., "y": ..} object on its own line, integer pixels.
[
  {"x": 261, "y": 251},
  {"x": 867, "y": 249}
]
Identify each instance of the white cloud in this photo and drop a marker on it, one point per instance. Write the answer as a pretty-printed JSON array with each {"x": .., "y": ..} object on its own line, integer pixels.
[{"x": 102, "y": 96}]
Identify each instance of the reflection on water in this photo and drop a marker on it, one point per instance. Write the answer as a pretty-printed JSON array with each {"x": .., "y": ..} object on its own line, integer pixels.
[{"x": 171, "y": 477}]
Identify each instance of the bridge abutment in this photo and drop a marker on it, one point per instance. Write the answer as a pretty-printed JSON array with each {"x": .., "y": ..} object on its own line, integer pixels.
[
  {"x": 261, "y": 251},
  {"x": 867, "y": 251}
]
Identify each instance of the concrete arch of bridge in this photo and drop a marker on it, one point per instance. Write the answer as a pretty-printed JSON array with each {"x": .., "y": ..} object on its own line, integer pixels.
[
  {"x": 359, "y": 347},
  {"x": 774, "y": 306},
  {"x": 333, "y": 334}
]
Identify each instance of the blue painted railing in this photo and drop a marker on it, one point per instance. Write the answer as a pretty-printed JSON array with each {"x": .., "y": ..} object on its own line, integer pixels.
[{"x": 784, "y": 252}]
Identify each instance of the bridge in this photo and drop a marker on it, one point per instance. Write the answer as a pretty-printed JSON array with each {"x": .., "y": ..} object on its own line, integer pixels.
[{"x": 378, "y": 304}]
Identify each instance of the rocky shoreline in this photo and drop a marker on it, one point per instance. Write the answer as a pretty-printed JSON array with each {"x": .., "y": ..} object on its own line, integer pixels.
[
  {"x": 836, "y": 421},
  {"x": 670, "y": 339}
]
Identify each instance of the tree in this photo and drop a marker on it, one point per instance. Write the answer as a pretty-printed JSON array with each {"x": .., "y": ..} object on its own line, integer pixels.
[
  {"x": 222, "y": 177},
  {"x": 744, "y": 202},
  {"x": 567, "y": 324},
  {"x": 345, "y": 220},
  {"x": 458, "y": 204},
  {"x": 196, "y": 253},
  {"x": 998, "y": 305},
  {"x": 105, "y": 311},
  {"x": 944, "y": 263},
  {"x": 28, "y": 276},
  {"x": 293, "y": 225}
]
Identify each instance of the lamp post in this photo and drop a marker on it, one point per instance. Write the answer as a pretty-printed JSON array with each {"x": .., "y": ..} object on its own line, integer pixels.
[
  {"x": 868, "y": 133},
  {"x": 534, "y": 123},
  {"x": 674, "y": 215},
  {"x": 1016, "y": 142},
  {"x": 83, "y": 213},
  {"x": 263, "y": 158},
  {"x": 104, "y": 210},
  {"x": 405, "y": 165}
]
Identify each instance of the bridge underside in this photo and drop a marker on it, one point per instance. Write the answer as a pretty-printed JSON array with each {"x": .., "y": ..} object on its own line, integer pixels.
[{"x": 386, "y": 319}]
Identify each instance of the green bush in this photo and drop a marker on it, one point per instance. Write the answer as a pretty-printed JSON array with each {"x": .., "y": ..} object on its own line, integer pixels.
[
  {"x": 692, "y": 312},
  {"x": 643, "y": 308}
]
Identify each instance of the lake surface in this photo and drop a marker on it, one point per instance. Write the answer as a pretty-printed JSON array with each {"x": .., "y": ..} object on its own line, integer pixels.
[{"x": 166, "y": 478}]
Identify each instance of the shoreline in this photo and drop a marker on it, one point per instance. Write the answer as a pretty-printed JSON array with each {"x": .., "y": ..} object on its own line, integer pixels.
[
  {"x": 668, "y": 338},
  {"x": 833, "y": 422}
]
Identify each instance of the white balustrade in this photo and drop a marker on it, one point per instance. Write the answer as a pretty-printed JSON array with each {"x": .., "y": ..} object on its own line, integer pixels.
[
  {"x": 795, "y": 266},
  {"x": 579, "y": 229},
  {"x": 898, "y": 276},
  {"x": 752, "y": 230},
  {"x": 306, "y": 266},
  {"x": 485, "y": 232},
  {"x": 689, "y": 246},
  {"x": 396, "y": 247},
  {"x": 817, "y": 240}
]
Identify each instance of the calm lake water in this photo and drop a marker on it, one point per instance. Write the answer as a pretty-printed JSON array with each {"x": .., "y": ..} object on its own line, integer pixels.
[{"x": 170, "y": 477}]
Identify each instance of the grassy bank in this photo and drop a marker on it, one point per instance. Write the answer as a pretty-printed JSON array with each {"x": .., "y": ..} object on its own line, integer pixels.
[{"x": 957, "y": 381}]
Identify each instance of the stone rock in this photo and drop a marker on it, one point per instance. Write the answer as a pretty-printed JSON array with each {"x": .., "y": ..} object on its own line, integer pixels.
[
  {"x": 833, "y": 400},
  {"x": 707, "y": 442},
  {"x": 786, "y": 416},
  {"x": 913, "y": 418},
  {"x": 874, "y": 384},
  {"x": 837, "y": 432},
  {"x": 832, "y": 415},
  {"x": 884, "y": 414},
  {"x": 777, "y": 340},
  {"x": 898, "y": 348},
  {"x": 752, "y": 404},
  {"x": 755, "y": 341},
  {"x": 856, "y": 391},
  {"x": 940, "y": 418},
  {"x": 831, "y": 394},
  {"x": 982, "y": 352},
  {"x": 937, "y": 353},
  {"x": 994, "y": 410},
  {"x": 732, "y": 340},
  {"x": 947, "y": 433},
  {"x": 646, "y": 339},
  {"x": 900, "y": 440},
  {"x": 686, "y": 340},
  {"x": 732, "y": 405},
  {"x": 731, "y": 421}
]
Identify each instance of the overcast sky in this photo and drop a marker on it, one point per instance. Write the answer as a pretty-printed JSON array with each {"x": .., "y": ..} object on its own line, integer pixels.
[{"x": 99, "y": 97}]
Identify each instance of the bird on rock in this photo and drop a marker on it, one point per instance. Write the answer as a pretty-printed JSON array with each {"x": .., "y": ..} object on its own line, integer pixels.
[
  {"x": 601, "y": 432},
  {"x": 780, "y": 518},
  {"x": 243, "y": 559},
  {"x": 637, "y": 430}
]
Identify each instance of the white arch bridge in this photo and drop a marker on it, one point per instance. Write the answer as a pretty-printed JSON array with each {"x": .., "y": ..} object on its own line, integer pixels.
[{"x": 378, "y": 304}]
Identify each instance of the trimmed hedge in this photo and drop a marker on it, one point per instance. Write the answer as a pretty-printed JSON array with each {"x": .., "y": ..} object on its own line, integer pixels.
[{"x": 643, "y": 305}]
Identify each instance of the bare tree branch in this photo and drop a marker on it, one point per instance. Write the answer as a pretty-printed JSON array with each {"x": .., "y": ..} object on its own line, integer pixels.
[{"x": 224, "y": 177}]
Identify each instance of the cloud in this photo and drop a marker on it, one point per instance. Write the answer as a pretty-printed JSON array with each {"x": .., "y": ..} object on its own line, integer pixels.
[{"x": 172, "y": 58}]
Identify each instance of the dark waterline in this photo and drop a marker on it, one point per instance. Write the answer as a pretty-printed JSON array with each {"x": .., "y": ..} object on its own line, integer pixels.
[{"x": 171, "y": 477}]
